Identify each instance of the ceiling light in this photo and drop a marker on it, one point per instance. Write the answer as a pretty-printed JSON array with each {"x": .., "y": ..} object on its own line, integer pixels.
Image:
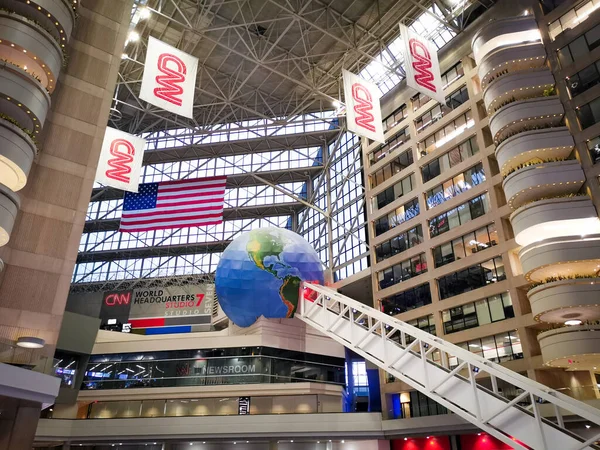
[
  {"x": 124, "y": 56},
  {"x": 145, "y": 13},
  {"x": 133, "y": 36},
  {"x": 588, "y": 426},
  {"x": 30, "y": 342},
  {"x": 573, "y": 322},
  {"x": 336, "y": 104}
]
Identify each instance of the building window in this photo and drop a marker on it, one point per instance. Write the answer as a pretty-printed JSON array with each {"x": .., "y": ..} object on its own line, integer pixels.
[
  {"x": 579, "y": 47},
  {"x": 450, "y": 159},
  {"x": 453, "y": 101},
  {"x": 406, "y": 300},
  {"x": 419, "y": 100},
  {"x": 572, "y": 18},
  {"x": 455, "y": 186},
  {"x": 588, "y": 114},
  {"x": 402, "y": 271},
  {"x": 394, "y": 167},
  {"x": 584, "y": 79},
  {"x": 425, "y": 323},
  {"x": 593, "y": 146},
  {"x": 445, "y": 134},
  {"x": 391, "y": 144},
  {"x": 400, "y": 243},
  {"x": 466, "y": 245},
  {"x": 397, "y": 217},
  {"x": 401, "y": 188},
  {"x": 395, "y": 118},
  {"x": 488, "y": 310},
  {"x": 497, "y": 348},
  {"x": 452, "y": 74},
  {"x": 460, "y": 215},
  {"x": 472, "y": 278}
]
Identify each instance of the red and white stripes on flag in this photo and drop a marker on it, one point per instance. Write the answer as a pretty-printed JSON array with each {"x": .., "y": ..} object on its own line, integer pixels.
[{"x": 174, "y": 204}]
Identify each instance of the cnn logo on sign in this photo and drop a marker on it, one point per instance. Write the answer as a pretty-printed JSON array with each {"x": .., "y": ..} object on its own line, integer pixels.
[
  {"x": 173, "y": 71},
  {"x": 422, "y": 64},
  {"x": 117, "y": 298},
  {"x": 123, "y": 152},
  {"x": 363, "y": 106}
]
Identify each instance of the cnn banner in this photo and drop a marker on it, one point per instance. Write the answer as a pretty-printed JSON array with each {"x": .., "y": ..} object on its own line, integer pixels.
[
  {"x": 169, "y": 78},
  {"x": 363, "y": 112},
  {"x": 421, "y": 65},
  {"x": 120, "y": 161}
]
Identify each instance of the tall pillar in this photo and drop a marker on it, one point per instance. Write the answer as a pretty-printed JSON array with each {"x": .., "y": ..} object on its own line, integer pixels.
[
  {"x": 40, "y": 255},
  {"x": 18, "y": 423}
]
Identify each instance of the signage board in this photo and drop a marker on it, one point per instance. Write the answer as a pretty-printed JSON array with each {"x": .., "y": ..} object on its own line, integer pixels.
[
  {"x": 243, "y": 406},
  {"x": 363, "y": 111}
]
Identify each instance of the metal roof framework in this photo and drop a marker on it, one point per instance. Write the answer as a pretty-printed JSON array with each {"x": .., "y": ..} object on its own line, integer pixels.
[{"x": 269, "y": 80}]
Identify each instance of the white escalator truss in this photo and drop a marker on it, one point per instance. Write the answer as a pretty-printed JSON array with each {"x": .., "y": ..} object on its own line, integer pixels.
[{"x": 450, "y": 375}]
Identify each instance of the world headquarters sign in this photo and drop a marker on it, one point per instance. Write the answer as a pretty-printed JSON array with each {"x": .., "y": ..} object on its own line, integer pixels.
[{"x": 160, "y": 306}]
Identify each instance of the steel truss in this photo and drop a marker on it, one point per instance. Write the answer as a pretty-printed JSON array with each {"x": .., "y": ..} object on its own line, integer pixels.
[{"x": 465, "y": 383}]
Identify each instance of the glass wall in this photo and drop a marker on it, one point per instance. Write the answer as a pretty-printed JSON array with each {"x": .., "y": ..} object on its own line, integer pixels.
[
  {"x": 584, "y": 79},
  {"x": 579, "y": 47},
  {"x": 492, "y": 309},
  {"x": 402, "y": 271},
  {"x": 471, "y": 278},
  {"x": 460, "y": 215},
  {"x": 588, "y": 114},
  {"x": 391, "y": 144},
  {"x": 497, "y": 348},
  {"x": 399, "y": 243},
  {"x": 394, "y": 167},
  {"x": 466, "y": 245},
  {"x": 406, "y": 300},
  {"x": 445, "y": 134},
  {"x": 395, "y": 118},
  {"x": 455, "y": 186},
  {"x": 248, "y": 365},
  {"x": 453, "y": 101},
  {"x": 572, "y": 18},
  {"x": 387, "y": 196},
  {"x": 593, "y": 146},
  {"x": 450, "y": 159},
  {"x": 397, "y": 217}
]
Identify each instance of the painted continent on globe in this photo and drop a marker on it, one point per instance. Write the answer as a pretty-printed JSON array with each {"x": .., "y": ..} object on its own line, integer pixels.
[{"x": 260, "y": 272}]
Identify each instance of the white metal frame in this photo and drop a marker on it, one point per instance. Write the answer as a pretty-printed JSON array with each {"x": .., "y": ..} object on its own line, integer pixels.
[{"x": 518, "y": 422}]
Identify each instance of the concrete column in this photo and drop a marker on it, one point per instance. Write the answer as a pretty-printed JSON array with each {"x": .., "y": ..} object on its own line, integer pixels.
[
  {"x": 18, "y": 423},
  {"x": 273, "y": 445},
  {"x": 41, "y": 254}
]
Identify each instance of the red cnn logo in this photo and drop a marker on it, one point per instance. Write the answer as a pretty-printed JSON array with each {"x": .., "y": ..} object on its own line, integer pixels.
[
  {"x": 118, "y": 299},
  {"x": 123, "y": 152},
  {"x": 421, "y": 64},
  {"x": 363, "y": 107},
  {"x": 169, "y": 89}
]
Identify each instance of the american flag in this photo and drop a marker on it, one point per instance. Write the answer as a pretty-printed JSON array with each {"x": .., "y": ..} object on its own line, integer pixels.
[{"x": 174, "y": 204}]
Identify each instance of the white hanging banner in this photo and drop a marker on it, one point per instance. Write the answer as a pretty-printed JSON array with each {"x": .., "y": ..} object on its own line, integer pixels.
[
  {"x": 120, "y": 161},
  {"x": 363, "y": 111},
  {"x": 421, "y": 65},
  {"x": 169, "y": 78}
]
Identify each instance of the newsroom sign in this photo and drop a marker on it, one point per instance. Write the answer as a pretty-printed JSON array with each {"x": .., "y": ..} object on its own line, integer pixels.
[{"x": 166, "y": 302}]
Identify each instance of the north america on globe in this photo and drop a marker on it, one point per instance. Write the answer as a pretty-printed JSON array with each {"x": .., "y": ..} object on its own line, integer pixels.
[{"x": 260, "y": 273}]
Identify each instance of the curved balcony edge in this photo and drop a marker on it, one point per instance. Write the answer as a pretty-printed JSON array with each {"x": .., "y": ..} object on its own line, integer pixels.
[
  {"x": 554, "y": 217},
  {"x": 9, "y": 207},
  {"x": 527, "y": 56},
  {"x": 523, "y": 147},
  {"x": 17, "y": 151},
  {"x": 518, "y": 86},
  {"x": 568, "y": 299},
  {"x": 575, "y": 347}
]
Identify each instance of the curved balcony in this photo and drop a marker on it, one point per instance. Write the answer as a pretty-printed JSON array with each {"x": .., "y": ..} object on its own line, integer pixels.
[
  {"x": 504, "y": 33},
  {"x": 26, "y": 44},
  {"x": 17, "y": 151},
  {"x": 562, "y": 300},
  {"x": 554, "y": 217},
  {"x": 534, "y": 145},
  {"x": 22, "y": 97},
  {"x": 53, "y": 15},
  {"x": 9, "y": 206},
  {"x": 544, "y": 180},
  {"x": 574, "y": 348},
  {"x": 561, "y": 257},
  {"x": 517, "y": 86},
  {"x": 525, "y": 115},
  {"x": 506, "y": 60}
]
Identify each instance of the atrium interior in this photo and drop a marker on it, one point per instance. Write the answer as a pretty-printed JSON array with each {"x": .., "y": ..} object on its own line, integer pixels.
[{"x": 452, "y": 301}]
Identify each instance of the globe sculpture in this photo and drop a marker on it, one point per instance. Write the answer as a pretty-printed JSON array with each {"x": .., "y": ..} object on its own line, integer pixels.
[{"x": 259, "y": 274}]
